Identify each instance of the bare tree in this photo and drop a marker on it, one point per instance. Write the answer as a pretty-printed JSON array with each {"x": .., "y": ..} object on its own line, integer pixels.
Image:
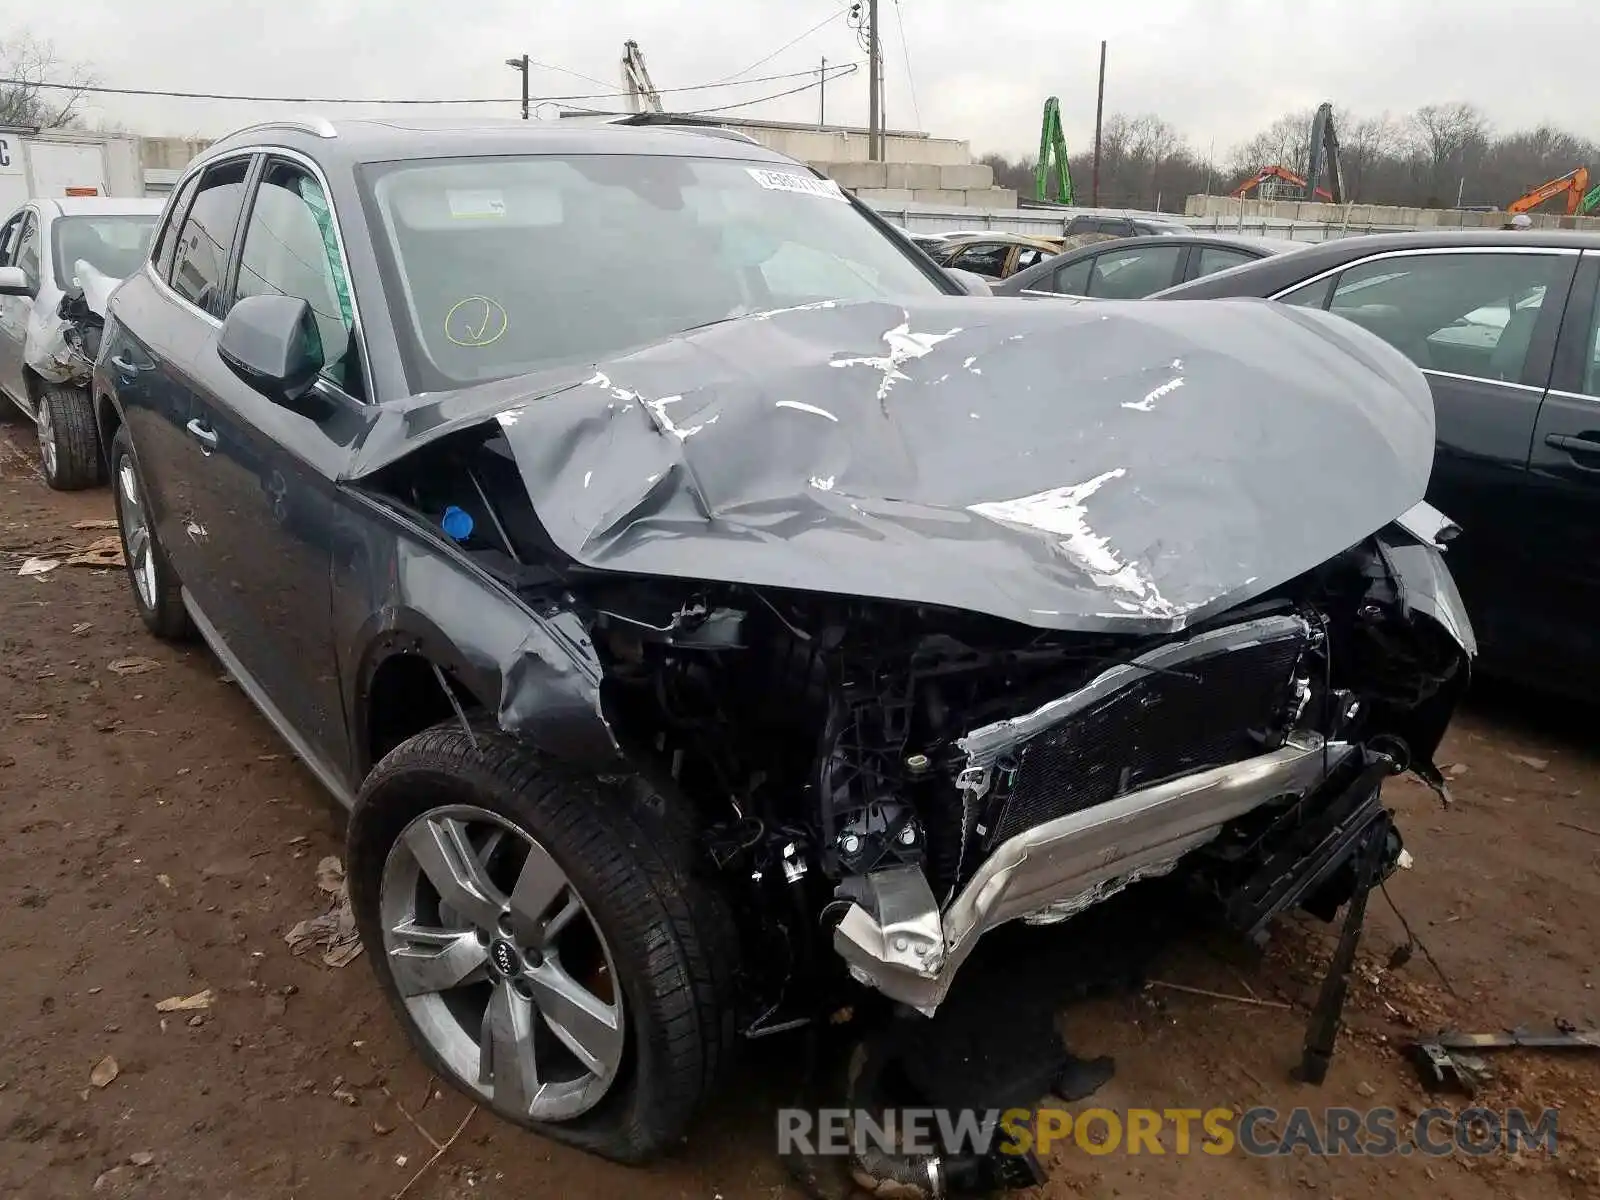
[
  {"x": 1363, "y": 144},
  {"x": 1284, "y": 143},
  {"x": 28, "y": 103},
  {"x": 1448, "y": 138}
]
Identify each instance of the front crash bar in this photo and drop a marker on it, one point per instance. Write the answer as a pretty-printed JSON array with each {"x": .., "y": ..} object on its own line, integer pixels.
[{"x": 910, "y": 951}]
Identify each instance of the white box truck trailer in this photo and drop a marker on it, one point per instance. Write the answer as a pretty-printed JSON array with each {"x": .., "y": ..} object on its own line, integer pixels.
[{"x": 66, "y": 164}]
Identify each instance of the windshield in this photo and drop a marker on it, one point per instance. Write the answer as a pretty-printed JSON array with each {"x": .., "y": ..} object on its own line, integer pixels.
[
  {"x": 114, "y": 243},
  {"x": 499, "y": 266}
]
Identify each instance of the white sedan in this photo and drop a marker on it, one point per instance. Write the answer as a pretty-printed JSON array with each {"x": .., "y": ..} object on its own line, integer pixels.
[{"x": 60, "y": 259}]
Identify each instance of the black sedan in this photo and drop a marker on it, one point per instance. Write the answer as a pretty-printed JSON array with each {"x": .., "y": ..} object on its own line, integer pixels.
[
  {"x": 1133, "y": 268},
  {"x": 1504, "y": 325}
]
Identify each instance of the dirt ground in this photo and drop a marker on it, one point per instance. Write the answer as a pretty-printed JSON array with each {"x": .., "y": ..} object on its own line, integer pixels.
[{"x": 156, "y": 840}]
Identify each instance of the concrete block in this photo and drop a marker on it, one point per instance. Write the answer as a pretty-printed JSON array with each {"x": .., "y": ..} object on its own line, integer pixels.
[
  {"x": 991, "y": 197},
  {"x": 856, "y": 175},
  {"x": 915, "y": 176},
  {"x": 939, "y": 196},
  {"x": 885, "y": 197},
  {"x": 967, "y": 178}
]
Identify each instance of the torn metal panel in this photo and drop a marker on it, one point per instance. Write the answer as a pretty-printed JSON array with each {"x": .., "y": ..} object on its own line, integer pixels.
[
  {"x": 62, "y": 340},
  {"x": 700, "y": 457}
]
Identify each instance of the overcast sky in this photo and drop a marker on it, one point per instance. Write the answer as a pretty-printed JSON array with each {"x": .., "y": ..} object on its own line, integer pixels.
[{"x": 978, "y": 70}]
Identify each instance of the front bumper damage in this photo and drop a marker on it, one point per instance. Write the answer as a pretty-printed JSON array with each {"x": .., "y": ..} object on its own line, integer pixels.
[
  {"x": 909, "y": 950},
  {"x": 898, "y": 939}
]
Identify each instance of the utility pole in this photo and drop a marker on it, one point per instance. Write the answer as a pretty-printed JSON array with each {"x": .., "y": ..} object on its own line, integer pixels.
[
  {"x": 521, "y": 64},
  {"x": 875, "y": 72},
  {"x": 822, "y": 94},
  {"x": 1099, "y": 112}
]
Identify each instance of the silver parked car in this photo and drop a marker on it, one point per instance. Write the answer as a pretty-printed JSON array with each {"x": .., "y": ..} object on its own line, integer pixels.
[{"x": 60, "y": 259}]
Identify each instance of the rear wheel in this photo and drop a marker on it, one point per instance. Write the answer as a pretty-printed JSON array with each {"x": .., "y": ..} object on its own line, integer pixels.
[
  {"x": 67, "y": 442},
  {"x": 541, "y": 940},
  {"x": 156, "y": 592}
]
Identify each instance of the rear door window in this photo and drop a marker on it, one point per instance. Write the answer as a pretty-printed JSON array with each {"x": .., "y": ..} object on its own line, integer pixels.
[
  {"x": 1073, "y": 279},
  {"x": 1134, "y": 273},
  {"x": 1467, "y": 314},
  {"x": 161, "y": 254},
  {"x": 200, "y": 263},
  {"x": 1212, "y": 259}
]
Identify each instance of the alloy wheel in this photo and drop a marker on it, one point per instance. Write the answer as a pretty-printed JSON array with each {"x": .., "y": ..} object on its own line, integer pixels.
[
  {"x": 136, "y": 531},
  {"x": 500, "y": 965},
  {"x": 47, "y": 437}
]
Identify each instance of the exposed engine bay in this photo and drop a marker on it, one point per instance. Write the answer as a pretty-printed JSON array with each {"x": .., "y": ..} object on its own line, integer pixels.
[{"x": 894, "y": 780}]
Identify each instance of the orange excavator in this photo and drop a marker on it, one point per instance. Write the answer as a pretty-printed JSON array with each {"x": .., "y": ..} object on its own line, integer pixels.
[
  {"x": 1279, "y": 175},
  {"x": 1581, "y": 199},
  {"x": 1322, "y": 162}
]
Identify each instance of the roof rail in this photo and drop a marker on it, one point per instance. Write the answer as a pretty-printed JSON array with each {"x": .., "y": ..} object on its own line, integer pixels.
[
  {"x": 316, "y": 126},
  {"x": 716, "y": 131},
  {"x": 655, "y": 120}
]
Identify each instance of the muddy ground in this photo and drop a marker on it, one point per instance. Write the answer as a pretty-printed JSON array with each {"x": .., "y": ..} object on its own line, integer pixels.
[{"x": 156, "y": 840}]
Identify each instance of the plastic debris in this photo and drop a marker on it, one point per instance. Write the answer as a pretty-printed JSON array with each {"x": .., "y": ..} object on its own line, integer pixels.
[
  {"x": 334, "y": 932},
  {"x": 132, "y": 666},
  {"x": 102, "y": 552},
  {"x": 187, "y": 1003}
]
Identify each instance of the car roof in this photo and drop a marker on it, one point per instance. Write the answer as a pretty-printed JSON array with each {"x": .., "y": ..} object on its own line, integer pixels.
[
  {"x": 88, "y": 206},
  {"x": 349, "y": 141},
  {"x": 1042, "y": 242},
  {"x": 1314, "y": 258},
  {"x": 1256, "y": 245}
]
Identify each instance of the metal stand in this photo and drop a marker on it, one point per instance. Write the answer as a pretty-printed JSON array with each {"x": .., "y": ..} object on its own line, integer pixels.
[{"x": 1323, "y": 1027}]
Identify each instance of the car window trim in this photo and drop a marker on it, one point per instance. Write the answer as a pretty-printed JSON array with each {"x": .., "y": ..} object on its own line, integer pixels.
[
  {"x": 32, "y": 223},
  {"x": 259, "y": 172},
  {"x": 1574, "y": 343},
  {"x": 1418, "y": 251},
  {"x": 237, "y": 246}
]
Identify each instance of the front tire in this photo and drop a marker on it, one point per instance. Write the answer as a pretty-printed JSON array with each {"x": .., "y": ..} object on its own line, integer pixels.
[
  {"x": 541, "y": 939},
  {"x": 67, "y": 442},
  {"x": 156, "y": 592}
]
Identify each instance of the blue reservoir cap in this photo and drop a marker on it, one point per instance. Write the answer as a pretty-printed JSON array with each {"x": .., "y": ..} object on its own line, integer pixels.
[{"x": 457, "y": 523}]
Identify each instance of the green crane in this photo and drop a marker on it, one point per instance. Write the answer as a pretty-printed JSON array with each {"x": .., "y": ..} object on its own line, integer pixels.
[
  {"x": 1590, "y": 202},
  {"x": 1052, "y": 154}
]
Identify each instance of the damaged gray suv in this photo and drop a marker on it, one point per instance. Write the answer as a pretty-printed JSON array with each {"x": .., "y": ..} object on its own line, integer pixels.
[{"x": 709, "y": 612}]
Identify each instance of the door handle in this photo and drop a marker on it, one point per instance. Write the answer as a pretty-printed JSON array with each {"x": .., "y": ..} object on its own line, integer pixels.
[
  {"x": 204, "y": 434},
  {"x": 1576, "y": 445}
]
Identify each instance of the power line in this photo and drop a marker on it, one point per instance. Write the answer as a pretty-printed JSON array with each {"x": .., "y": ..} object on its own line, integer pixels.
[
  {"x": 906, "y": 48},
  {"x": 172, "y": 95},
  {"x": 792, "y": 41},
  {"x": 543, "y": 66},
  {"x": 845, "y": 69}
]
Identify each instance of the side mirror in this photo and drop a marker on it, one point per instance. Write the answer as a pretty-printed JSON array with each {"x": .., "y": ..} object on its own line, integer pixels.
[
  {"x": 14, "y": 282},
  {"x": 972, "y": 285},
  {"x": 273, "y": 344}
]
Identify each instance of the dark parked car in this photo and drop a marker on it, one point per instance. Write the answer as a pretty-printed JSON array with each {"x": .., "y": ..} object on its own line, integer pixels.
[
  {"x": 1122, "y": 226},
  {"x": 1503, "y": 324},
  {"x": 1133, "y": 268},
  {"x": 705, "y": 614}
]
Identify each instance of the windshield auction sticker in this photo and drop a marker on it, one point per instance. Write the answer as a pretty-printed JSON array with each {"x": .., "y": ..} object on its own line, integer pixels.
[{"x": 805, "y": 185}]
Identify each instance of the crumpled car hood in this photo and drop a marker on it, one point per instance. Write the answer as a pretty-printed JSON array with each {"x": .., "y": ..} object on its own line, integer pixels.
[
  {"x": 97, "y": 286},
  {"x": 1097, "y": 466}
]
